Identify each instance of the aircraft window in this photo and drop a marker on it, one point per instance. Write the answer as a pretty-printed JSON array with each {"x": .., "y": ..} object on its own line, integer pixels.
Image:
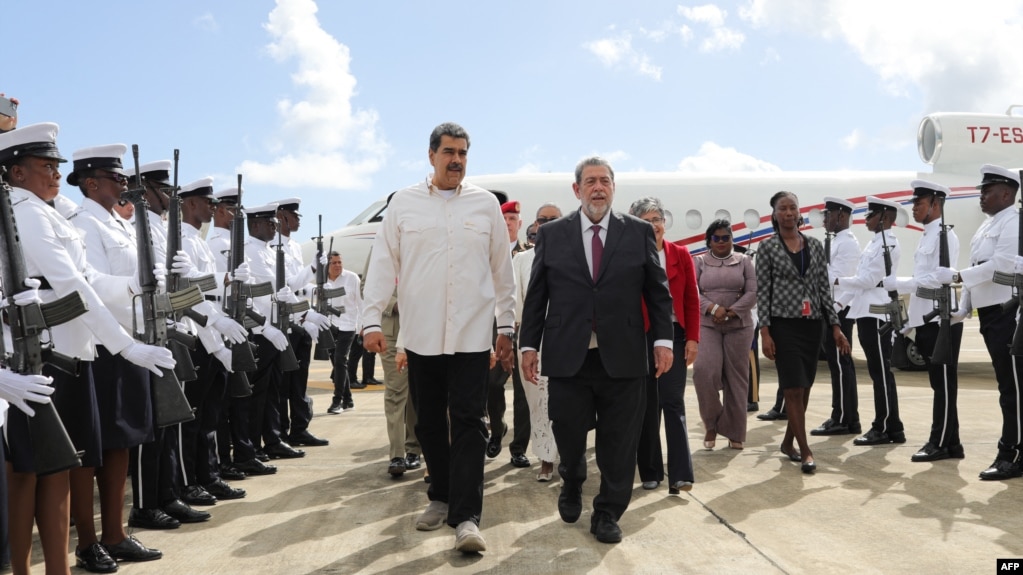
[
  {"x": 694, "y": 220},
  {"x": 371, "y": 214},
  {"x": 723, "y": 215}
]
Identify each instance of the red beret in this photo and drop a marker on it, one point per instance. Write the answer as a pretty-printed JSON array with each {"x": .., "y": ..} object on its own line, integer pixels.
[{"x": 510, "y": 207}]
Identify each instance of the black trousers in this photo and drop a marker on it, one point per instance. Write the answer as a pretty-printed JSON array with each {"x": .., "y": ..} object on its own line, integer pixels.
[
  {"x": 666, "y": 394},
  {"x": 593, "y": 399},
  {"x": 998, "y": 328},
  {"x": 368, "y": 359},
  {"x": 198, "y": 437},
  {"x": 845, "y": 403},
  {"x": 154, "y": 469},
  {"x": 339, "y": 359},
  {"x": 945, "y": 383},
  {"x": 452, "y": 388},
  {"x": 878, "y": 351},
  {"x": 496, "y": 406},
  {"x": 5, "y": 551},
  {"x": 294, "y": 384},
  {"x": 261, "y": 407}
]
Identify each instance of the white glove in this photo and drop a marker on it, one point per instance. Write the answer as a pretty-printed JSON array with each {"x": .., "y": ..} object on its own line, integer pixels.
[
  {"x": 890, "y": 283},
  {"x": 323, "y": 261},
  {"x": 285, "y": 295},
  {"x": 312, "y": 329},
  {"x": 183, "y": 265},
  {"x": 241, "y": 274},
  {"x": 275, "y": 336},
  {"x": 159, "y": 272},
  {"x": 229, "y": 328},
  {"x": 1018, "y": 266},
  {"x": 223, "y": 355},
  {"x": 944, "y": 275},
  {"x": 20, "y": 389},
  {"x": 318, "y": 319},
  {"x": 839, "y": 307},
  {"x": 29, "y": 296},
  {"x": 150, "y": 357}
]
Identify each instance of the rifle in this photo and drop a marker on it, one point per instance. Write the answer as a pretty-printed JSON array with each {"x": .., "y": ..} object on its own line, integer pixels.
[
  {"x": 893, "y": 309},
  {"x": 169, "y": 403},
  {"x": 52, "y": 449},
  {"x": 181, "y": 343},
  {"x": 828, "y": 234},
  {"x": 942, "y": 296},
  {"x": 283, "y": 310},
  {"x": 322, "y": 296},
  {"x": 1016, "y": 281},
  {"x": 243, "y": 356}
]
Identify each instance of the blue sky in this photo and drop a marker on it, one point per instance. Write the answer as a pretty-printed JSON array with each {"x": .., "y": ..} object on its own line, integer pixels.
[{"x": 334, "y": 101}]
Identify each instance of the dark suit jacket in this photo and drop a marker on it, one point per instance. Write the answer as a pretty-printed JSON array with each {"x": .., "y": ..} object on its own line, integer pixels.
[{"x": 562, "y": 298}]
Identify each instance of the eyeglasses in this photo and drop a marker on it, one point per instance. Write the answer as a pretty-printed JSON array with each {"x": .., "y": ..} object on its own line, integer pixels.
[
  {"x": 113, "y": 177},
  {"x": 721, "y": 239},
  {"x": 656, "y": 221},
  {"x": 543, "y": 220}
]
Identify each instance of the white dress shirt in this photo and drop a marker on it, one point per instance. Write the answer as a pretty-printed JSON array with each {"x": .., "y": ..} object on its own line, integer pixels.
[
  {"x": 352, "y": 301},
  {"x": 869, "y": 273},
  {"x": 450, "y": 258},
  {"x": 925, "y": 262},
  {"x": 993, "y": 247},
  {"x": 55, "y": 251}
]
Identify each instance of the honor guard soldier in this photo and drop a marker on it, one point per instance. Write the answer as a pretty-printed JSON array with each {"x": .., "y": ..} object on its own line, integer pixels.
[
  {"x": 928, "y": 203},
  {"x": 122, "y": 384},
  {"x": 842, "y": 262},
  {"x": 210, "y": 356},
  {"x": 994, "y": 248},
  {"x": 865, "y": 290},
  {"x": 156, "y": 479},
  {"x": 264, "y": 418},
  {"x": 233, "y": 427},
  {"x": 299, "y": 278}
]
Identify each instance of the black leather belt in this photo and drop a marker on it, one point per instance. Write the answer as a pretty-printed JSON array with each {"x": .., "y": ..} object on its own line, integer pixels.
[{"x": 212, "y": 298}]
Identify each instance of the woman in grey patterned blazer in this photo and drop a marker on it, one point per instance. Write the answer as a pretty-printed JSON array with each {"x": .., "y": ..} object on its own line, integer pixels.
[{"x": 794, "y": 304}]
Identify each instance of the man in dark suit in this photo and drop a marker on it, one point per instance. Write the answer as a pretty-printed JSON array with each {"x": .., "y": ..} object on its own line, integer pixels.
[{"x": 592, "y": 270}]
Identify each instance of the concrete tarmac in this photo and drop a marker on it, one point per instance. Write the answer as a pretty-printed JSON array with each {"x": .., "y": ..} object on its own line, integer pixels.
[{"x": 866, "y": 510}]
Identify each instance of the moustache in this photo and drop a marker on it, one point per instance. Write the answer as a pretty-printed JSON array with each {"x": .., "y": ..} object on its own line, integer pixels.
[{"x": 456, "y": 167}]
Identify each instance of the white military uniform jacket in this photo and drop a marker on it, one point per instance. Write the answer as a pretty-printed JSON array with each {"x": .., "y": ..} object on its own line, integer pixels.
[
  {"x": 993, "y": 247},
  {"x": 56, "y": 252},
  {"x": 925, "y": 261},
  {"x": 110, "y": 248},
  {"x": 262, "y": 268},
  {"x": 202, "y": 258},
  {"x": 219, "y": 242},
  {"x": 869, "y": 274},
  {"x": 845, "y": 257}
]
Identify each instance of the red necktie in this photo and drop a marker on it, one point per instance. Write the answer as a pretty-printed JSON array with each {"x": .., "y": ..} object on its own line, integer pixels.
[{"x": 597, "y": 247}]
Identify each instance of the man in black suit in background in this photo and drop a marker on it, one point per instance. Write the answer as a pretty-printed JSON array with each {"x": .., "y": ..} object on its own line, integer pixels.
[{"x": 592, "y": 271}]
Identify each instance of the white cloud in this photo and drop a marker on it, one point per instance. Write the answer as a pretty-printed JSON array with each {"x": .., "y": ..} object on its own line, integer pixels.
[
  {"x": 712, "y": 157},
  {"x": 617, "y": 51},
  {"x": 615, "y": 156},
  {"x": 329, "y": 144},
  {"x": 853, "y": 140},
  {"x": 712, "y": 17},
  {"x": 206, "y": 22},
  {"x": 962, "y": 56},
  {"x": 528, "y": 168}
]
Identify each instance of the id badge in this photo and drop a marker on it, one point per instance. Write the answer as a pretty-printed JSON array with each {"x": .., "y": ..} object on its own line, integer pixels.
[{"x": 806, "y": 307}]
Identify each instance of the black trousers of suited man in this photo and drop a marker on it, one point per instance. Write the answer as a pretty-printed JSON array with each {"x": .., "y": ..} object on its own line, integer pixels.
[
  {"x": 449, "y": 398},
  {"x": 199, "y": 436},
  {"x": 845, "y": 403},
  {"x": 618, "y": 404},
  {"x": 997, "y": 327},
  {"x": 497, "y": 405},
  {"x": 295, "y": 405},
  {"x": 945, "y": 383},
  {"x": 878, "y": 350}
]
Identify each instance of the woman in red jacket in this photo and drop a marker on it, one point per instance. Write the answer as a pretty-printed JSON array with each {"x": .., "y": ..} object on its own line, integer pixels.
[{"x": 667, "y": 393}]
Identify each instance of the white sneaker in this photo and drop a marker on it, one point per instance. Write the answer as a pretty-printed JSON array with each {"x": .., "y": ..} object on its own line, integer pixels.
[
  {"x": 435, "y": 516},
  {"x": 468, "y": 538}
]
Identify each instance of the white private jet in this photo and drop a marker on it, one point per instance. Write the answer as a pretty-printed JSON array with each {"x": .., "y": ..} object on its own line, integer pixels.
[{"x": 955, "y": 144}]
